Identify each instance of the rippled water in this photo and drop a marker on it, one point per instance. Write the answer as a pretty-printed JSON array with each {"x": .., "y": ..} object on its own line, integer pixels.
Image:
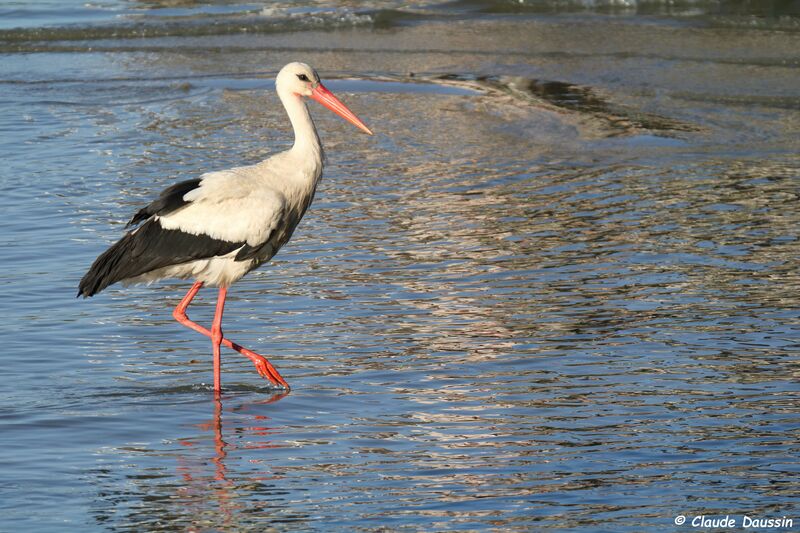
[{"x": 557, "y": 289}]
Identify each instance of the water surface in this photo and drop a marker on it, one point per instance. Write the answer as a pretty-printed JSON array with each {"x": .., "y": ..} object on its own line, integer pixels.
[{"x": 557, "y": 289}]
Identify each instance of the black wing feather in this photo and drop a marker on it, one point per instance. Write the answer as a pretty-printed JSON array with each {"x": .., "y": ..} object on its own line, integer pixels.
[
  {"x": 148, "y": 248},
  {"x": 263, "y": 252},
  {"x": 170, "y": 199}
]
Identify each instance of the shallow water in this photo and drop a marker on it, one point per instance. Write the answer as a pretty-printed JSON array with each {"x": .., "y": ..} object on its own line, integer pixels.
[{"x": 557, "y": 289}]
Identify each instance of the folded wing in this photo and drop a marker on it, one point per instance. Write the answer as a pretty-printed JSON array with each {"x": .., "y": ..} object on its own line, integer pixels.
[{"x": 213, "y": 216}]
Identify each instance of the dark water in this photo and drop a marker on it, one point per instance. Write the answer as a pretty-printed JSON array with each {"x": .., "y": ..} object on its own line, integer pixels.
[{"x": 557, "y": 289}]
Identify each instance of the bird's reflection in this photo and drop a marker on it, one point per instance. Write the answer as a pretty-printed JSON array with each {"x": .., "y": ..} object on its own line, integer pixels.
[
  {"x": 196, "y": 475},
  {"x": 220, "y": 446}
]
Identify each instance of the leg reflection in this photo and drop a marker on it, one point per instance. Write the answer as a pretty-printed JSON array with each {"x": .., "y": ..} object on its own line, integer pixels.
[
  {"x": 219, "y": 444},
  {"x": 217, "y": 495}
]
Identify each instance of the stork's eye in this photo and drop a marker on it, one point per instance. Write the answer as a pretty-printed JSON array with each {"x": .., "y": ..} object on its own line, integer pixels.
[{"x": 302, "y": 77}]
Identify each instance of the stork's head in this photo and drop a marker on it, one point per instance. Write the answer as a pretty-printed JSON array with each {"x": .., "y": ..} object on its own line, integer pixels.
[{"x": 302, "y": 80}]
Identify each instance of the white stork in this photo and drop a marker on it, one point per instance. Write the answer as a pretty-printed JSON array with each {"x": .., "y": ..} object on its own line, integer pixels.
[{"x": 216, "y": 228}]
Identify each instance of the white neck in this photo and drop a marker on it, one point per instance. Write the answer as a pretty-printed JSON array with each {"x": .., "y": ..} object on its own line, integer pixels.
[{"x": 306, "y": 140}]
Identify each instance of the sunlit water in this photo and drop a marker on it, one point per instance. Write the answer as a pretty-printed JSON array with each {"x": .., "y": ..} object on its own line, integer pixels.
[{"x": 557, "y": 289}]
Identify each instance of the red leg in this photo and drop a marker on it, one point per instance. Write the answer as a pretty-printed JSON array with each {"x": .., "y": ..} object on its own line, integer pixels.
[
  {"x": 179, "y": 313},
  {"x": 264, "y": 367},
  {"x": 216, "y": 339}
]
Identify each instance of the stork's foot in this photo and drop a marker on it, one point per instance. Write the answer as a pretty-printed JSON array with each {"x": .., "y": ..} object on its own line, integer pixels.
[
  {"x": 263, "y": 366},
  {"x": 266, "y": 370}
]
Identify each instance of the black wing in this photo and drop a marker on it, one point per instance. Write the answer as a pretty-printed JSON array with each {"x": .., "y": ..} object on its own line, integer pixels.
[
  {"x": 148, "y": 248},
  {"x": 170, "y": 199}
]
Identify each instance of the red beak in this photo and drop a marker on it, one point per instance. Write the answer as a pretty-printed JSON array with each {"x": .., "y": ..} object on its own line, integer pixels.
[{"x": 326, "y": 98}]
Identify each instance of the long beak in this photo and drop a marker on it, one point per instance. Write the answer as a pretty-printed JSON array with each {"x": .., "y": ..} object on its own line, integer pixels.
[{"x": 326, "y": 98}]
